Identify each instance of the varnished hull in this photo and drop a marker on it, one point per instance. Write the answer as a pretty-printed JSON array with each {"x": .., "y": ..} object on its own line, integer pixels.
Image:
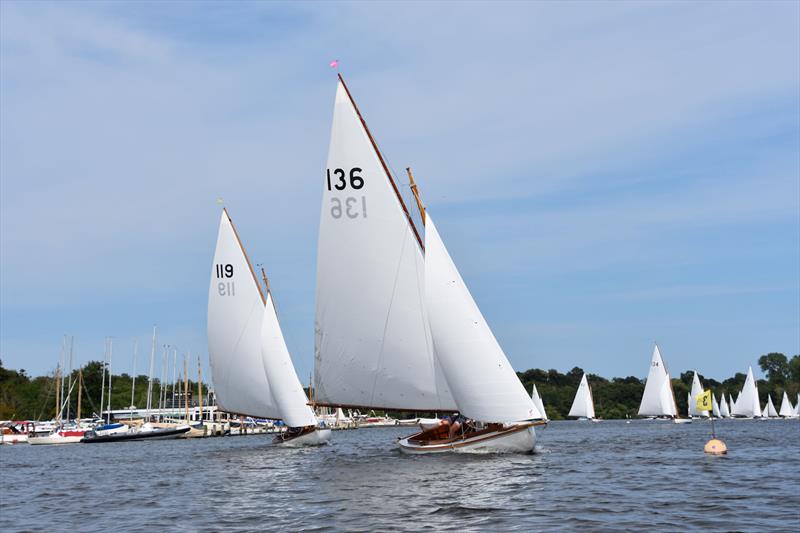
[{"x": 516, "y": 438}]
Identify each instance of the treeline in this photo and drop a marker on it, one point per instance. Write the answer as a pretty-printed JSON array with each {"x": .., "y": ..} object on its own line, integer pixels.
[
  {"x": 620, "y": 397},
  {"x": 23, "y": 397}
]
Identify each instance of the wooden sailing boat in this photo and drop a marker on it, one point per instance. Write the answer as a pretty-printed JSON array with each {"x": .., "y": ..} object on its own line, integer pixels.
[
  {"x": 250, "y": 363},
  {"x": 697, "y": 388},
  {"x": 786, "y": 410},
  {"x": 658, "y": 399},
  {"x": 396, "y": 327},
  {"x": 537, "y": 401},
  {"x": 724, "y": 410},
  {"x": 769, "y": 409},
  {"x": 583, "y": 404}
]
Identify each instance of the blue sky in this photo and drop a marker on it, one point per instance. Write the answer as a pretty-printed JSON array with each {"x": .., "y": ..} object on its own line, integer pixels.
[{"x": 604, "y": 174}]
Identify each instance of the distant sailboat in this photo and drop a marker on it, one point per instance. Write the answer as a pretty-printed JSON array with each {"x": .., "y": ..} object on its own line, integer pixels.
[
  {"x": 251, "y": 367},
  {"x": 724, "y": 410},
  {"x": 786, "y": 410},
  {"x": 658, "y": 399},
  {"x": 769, "y": 409},
  {"x": 715, "y": 412},
  {"x": 537, "y": 401},
  {"x": 583, "y": 404},
  {"x": 747, "y": 404},
  {"x": 697, "y": 388},
  {"x": 797, "y": 406},
  {"x": 396, "y": 326}
]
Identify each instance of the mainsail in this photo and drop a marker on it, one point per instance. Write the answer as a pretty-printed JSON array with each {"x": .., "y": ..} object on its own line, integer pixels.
[
  {"x": 697, "y": 388},
  {"x": 373, "y": 345},
  {"x": 724, "y": 411},
  {"x": 537, "y": 401},
  {"x": 769, "y": 409},
  {"x": 286, "y": 389},
  {"x": 482, "y": 381},
  {"x": 657, "y": 399},
  {"x": 747, "y": 403},
  {"x": 786, "y": 406},
  {"x": 235, "y": 313},
  {"x": 583, "y": 405}
]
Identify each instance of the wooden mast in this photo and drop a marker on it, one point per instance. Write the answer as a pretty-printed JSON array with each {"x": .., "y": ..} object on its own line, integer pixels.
[
  {"x": 269, "y": 293},
  {"x": 415, "y": 190},
  {"x": 80, "y": 390},
  {"x": 383, "y": 164}
]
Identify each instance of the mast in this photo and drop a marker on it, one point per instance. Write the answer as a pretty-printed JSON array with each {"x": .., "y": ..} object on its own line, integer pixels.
[
  {"x": 56, "y": 379},
  {"x": 174, "y": 377},
  {"x": 103, "y": 384},
  {"x": 133, "y": 385},
  {"x": 415, "y": 190},
  {"x": 69, "y": 387},
  {"x": 383, "y": 164},
  {"x": 246, "y": 258},
  {"x": 80, "y": 391},
  {"x": 269, "y": 292},
  {"x": 150, "y": 374},
  {"x": 110, "y": 352},
  {"x": 200, "y": 387},
  {"x": 63, "y": 367},
  {"x": 186, "y": 389}
]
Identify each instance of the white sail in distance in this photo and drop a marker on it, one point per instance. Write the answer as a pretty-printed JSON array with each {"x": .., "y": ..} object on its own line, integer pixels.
[
  {"x": 769, "y": 409},
  {"x": 724, "y": 410},
  {"x": 235, "y": 313},
  {"x": 747, "y": 403},
  {"x": 287, "y": 391},
  {"x": 715, "y": 407},
  {"x": 537, "y": 401},
  {"x": 668, "y": 397},
  {"x": 786, "y": 409},
  {"x": 697, "y": 388},
  {"x": 373, "y": 346},
  {"x": 657, "y": 398},
  {"x": 481, "y": 379},
  {"x": 583, "y": 404},
  {"x": 797, "y": 406}
]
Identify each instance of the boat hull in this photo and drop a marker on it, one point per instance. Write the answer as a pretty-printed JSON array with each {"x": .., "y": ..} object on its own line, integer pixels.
[
  {"x": 318, "y": 437},
  {"x": 55, "y": 439},
  {"x": 156, "y": 434},
  {"x": 516, "y": 438}
]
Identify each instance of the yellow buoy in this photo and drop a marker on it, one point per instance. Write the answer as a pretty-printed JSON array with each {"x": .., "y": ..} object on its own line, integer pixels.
[{"x": 715, "y": 447}]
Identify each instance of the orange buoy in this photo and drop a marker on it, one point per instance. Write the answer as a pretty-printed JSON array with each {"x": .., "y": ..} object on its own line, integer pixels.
[{"x": 715, "y": 447}]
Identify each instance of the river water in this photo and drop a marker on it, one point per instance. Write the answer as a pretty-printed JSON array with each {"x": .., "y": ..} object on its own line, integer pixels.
[{"x": 591, "y": 476}]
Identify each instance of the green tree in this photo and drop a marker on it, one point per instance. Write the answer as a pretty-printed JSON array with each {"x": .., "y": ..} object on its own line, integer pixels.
[{"x": 776, "y": 367}]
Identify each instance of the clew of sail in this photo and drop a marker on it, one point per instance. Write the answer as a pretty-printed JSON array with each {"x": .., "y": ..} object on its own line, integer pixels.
[
  {"x": 235, "y": 312},
  {"x": 373, "y": 345},
  {"x": 482, "y": 381},
  {"x": 583, "y": 404},
  {"x": 283, "y": 382}
]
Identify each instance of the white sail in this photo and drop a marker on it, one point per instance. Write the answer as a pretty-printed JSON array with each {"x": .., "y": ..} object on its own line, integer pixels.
[
  {"x": 668, "y": 398},
  {"x": 769, "y": 409},
  {"x": 235, "y": 312},
  {"x": 583, "y": 405},
  {"x": 733, "y": 403},
  {"x": 747, "y": 403},
  {"x": 786, "y": 409},
  {"x": 372, "y": 341},
  {"x": 715, "y": 407},
  {"x": 724, "y": 410},
  {"x": 482, "y": 381},
  {"x": 657, "y": 399},
  {"x": 689, "y": 404},
  {"x": 797, "y": 406},
  {"x": 697, "y": 388},
  {"x": 286, "y": 389},
  {"x": 537, "y": 401},
  {"x": 765, "y": 412}
]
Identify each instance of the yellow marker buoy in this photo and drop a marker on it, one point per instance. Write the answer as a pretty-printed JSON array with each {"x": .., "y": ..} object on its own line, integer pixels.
[{"x": 715, "y": 447}]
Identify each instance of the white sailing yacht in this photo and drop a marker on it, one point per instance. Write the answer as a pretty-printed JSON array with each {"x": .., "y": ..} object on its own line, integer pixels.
[
  {"x": 715, "y": 411},
  {"x": 583, "y": 404},
  {"x": 396, "y": 327},
  {"x": 250, "y": 363},
  {"x": 786, "y": 410},
  {"x": 697, "y": 388},
  {"x": 769, "y": 409},
  {"x": 658, "y": 399},
  {"x": 724, "y": 410},
  {"x": 747, "y": 404},
  {"x": 537, "y": 401},
  {"x": 797, "y": 407}
]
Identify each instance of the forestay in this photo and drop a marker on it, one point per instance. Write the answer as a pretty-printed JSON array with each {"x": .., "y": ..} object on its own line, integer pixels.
[
  {"x": 482, "y": 381},
  {"x": 583, "y": 404},
  {"x": 235, "y": 313},
  {"x": 286, "y": 388},
  {"x": 372, "y": 342}
]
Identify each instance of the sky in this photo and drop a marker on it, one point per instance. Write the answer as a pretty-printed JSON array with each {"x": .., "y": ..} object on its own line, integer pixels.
[{"x": 604, "y": 174}]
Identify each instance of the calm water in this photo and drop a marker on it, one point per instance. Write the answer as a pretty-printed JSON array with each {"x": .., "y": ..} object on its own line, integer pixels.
[{"x": 609, "y": 475}]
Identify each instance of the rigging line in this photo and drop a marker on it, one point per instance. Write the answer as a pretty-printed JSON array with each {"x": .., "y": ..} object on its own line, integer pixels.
[{"x": 388, "y": 314}]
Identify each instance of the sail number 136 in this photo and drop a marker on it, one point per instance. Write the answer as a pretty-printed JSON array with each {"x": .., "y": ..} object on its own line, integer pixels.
[{"x": 350, "y": 206}]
